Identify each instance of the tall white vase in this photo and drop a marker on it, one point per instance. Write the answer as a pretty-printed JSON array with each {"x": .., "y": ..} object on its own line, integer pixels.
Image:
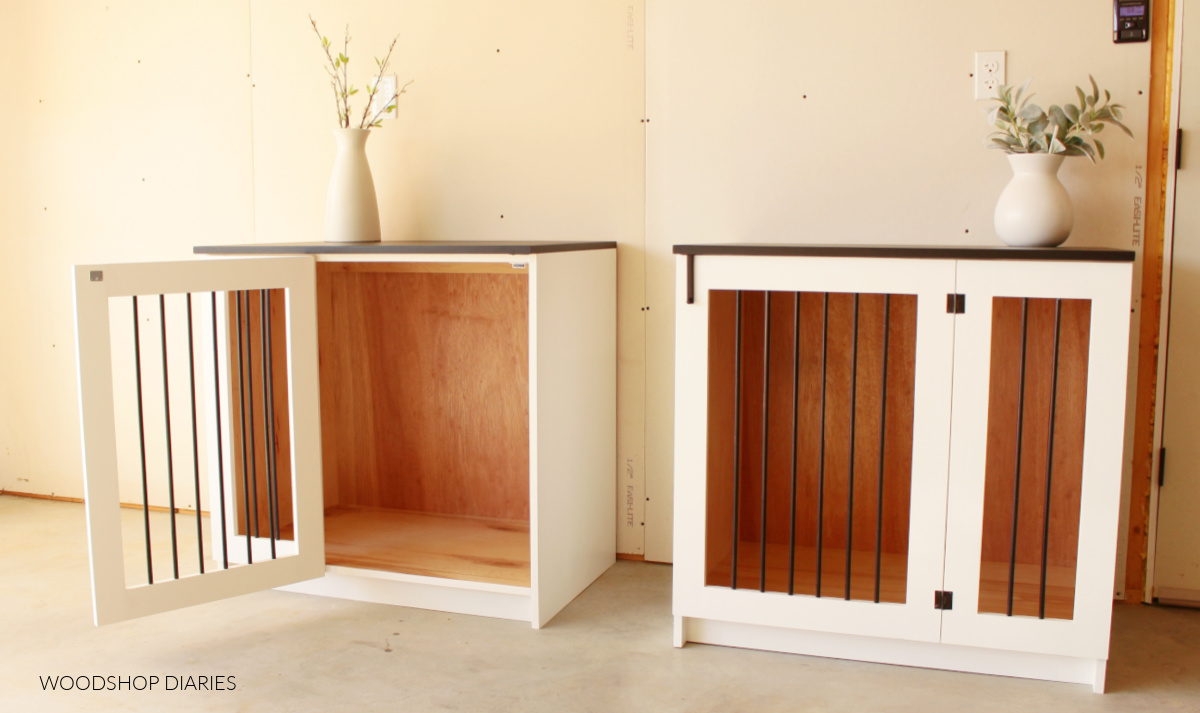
[
  {"x": 351, "y": 211},
  {"x": 1035, "y": 210}
]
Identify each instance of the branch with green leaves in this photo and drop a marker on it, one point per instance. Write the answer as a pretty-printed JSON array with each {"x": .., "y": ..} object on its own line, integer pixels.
[
  {"x": 1070, "y": 129},
  {"x": 337, "y": 67}
]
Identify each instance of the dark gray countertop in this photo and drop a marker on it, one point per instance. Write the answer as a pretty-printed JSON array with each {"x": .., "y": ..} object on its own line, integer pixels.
[
  {"x": 949, "y": 252},
  {"x": 426, "y": 247}
]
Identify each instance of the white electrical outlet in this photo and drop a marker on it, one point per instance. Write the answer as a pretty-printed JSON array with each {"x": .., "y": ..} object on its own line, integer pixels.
[
  {"x": 385, "y": 96},
  {"x": 989, "y": 73}
]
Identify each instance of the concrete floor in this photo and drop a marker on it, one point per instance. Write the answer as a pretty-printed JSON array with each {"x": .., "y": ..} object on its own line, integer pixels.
[{"x": 609, "y": 650}]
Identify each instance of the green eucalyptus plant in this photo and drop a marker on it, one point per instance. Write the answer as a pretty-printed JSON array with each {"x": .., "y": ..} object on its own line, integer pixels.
[
  {"x": 339, "y": 80},
  {"x": 1070, "y": 129}
]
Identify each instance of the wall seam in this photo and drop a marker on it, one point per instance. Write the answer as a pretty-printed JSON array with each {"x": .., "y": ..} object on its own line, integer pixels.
[{"x": 250, "y": 76}]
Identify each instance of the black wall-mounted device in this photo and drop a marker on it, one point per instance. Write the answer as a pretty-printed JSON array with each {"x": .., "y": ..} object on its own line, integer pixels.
[{"x": 1131, "y": 20}]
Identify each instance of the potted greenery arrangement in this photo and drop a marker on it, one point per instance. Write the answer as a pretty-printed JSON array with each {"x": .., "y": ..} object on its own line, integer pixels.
[
  {"x": 1035, "y": 210},
  {"x": 351, "y": 209}
]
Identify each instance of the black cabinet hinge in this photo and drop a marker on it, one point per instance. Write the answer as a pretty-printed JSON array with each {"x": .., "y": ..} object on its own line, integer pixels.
[
  {"x": 956, "y": 304},
  {"x": 943, "y": 601},
  {"x": 1162, "y": 463}
]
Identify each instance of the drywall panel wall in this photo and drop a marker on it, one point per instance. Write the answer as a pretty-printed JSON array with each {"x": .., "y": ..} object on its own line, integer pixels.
[
  {"x": 125, "y": 136},
  {"x": 523, "y": 121},
  {"x": 777, "y": 121},
  {"x": 134, "y": 130}
]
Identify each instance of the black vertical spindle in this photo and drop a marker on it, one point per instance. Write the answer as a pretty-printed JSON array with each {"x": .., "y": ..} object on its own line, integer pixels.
[
  {"x": 737, "y": 433},
  {"x": 850, "y": 474},
  {"x": 887, "y": 321},
  {"x": 795, "y": 420},
  {"x": 1050, "y": 460},
  {"x": 220, "y": 446},
  {"x": 274, "y": 445},
  {"x": 162, "y": 317},
  {"x": 195, "y": 435},
  {"x": 241, "y": 349},
  {"x": 268, "y": 426},
  {"x": 766, "y": 405},
  {"x": 821, "y": 456},
  {"x": 253, "y": 494},
  {"x": 137, "y": 362},
  {"x": 1012, "y": 556}
]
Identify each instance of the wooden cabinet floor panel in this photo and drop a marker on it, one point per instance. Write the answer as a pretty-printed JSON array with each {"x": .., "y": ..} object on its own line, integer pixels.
[
  {"x": 452, "y": 547},
  {"x": 893, "y": 572}
]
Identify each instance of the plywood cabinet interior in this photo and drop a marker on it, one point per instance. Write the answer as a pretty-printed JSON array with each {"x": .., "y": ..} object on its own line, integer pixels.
[
  {"x": 809, "y": 371},
  {"x": 901, "y": 454},
  {"x": 425, "y": 418}
]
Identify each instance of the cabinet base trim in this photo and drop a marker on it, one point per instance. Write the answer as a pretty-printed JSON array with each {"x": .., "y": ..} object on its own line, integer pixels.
[
  {"x": 1067, "y": 669},
  {"x": 1177, "y": 597},
  {"x": 496, "y": 601}
]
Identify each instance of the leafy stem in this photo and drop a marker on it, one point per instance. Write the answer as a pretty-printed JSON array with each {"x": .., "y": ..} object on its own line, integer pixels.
[
  {"x": 337, "y": 67},
  {"x": 1070, "y": 129}
]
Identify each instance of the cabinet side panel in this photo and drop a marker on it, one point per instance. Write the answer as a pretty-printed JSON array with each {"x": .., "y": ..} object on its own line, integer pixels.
[{"x": 574, "y": 523}]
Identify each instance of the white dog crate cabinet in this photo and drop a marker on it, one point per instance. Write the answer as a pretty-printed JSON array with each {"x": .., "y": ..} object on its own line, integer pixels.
[
  {"x": 428, "y": 424},
  {"x": 903, "y": 455}
]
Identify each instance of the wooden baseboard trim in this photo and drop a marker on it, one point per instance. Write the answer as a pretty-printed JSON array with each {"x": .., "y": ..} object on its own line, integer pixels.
[
  {"x": 40, "y": 496},
  {"x": 631, "y": 558},
  {"x": 129, "y": 506},
  {"x": 160, "y": 508}
]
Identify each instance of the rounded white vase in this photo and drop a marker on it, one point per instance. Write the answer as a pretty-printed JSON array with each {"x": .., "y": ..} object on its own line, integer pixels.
[
  {"x": 1035, "y": 210},
  {"x": 351, "y": 210}
]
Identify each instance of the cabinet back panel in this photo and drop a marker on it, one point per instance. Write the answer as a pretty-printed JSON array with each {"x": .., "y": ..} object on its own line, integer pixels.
[
  {"x": 1064, "y": 389},
  {"x": 425, "y": 387},
  {"x": 795, "y": 381}
]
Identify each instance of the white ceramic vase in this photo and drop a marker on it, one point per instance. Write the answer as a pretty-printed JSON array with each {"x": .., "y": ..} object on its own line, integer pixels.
[
  {"x": 351, "y": 211},
  {"x": 1035, "y": 210}
]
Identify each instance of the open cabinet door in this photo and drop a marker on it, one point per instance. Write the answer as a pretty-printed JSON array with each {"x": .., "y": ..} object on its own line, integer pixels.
[{"x": 198, "y": 392}]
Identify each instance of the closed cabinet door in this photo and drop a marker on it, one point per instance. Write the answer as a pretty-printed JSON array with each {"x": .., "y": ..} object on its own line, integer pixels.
[
  {"x": 1177, "y": 541},
  {"x": 201, "y": 434},
  {"x": 812, "y": 437},
  {"x": 1035, "y": 462}
]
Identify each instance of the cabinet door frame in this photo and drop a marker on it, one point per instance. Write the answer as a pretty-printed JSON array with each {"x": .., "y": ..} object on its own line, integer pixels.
[
  {"x": 113, "y": 600},
  {"x": 931, "y": 280},
  {"x": 1108, "y": 287}
]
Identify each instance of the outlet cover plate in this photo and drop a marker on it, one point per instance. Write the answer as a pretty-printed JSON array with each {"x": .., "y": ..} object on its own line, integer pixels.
[
  {"x": 385, "y": 95},
  {"x": 989, "y": 73}
]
